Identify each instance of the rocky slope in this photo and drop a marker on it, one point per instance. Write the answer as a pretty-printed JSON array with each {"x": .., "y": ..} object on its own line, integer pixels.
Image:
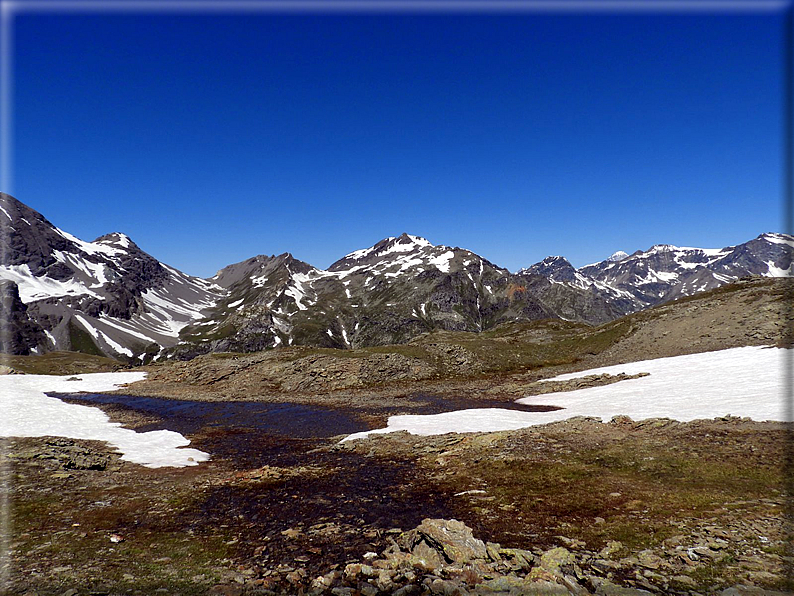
[
  {"x": 108, "y": 297},
  {"x": 103, "y": 297},
  {"x": 501, "y": 364},
  {"x": 665, "y": 272}
]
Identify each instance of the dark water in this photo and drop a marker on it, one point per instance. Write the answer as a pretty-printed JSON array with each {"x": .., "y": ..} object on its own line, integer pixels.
[
  {"x": 253, "y": 434},
  {"x": 297, "y": 421},
  {"x": 187, "y": 417}
]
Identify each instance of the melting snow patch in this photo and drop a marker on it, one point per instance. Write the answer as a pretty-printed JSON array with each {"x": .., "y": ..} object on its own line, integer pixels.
[
  {"x": 777, "y": 271},
  {"x": 28, "y": 412},
  {"x": 103, "y": 337},
  {"x": 745, "y": 381},
  {"x": 441, "y": 262},
  {"x": 779, "y": 239},
  {"x": 33, "y": 288},
  {"x": 461, "y": 421},
  {"x": 740, "y": 381}
]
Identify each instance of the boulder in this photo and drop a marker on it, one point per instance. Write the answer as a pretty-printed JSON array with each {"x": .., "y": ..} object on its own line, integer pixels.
[{"x": 452, "y": 539}]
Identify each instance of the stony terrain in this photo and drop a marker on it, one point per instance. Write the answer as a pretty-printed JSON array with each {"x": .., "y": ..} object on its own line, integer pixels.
[
  {"x": 577, "y": 507},
  {"x": 500, "y": 364},
  {"x": 574, "y": 507},
  {"x": 108, "y": 297}
]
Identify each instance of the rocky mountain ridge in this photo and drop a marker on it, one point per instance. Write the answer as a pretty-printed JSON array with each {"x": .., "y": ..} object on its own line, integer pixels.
[
  {"x": 104, "y": 297},
  {"x": 110, "y": 297}
]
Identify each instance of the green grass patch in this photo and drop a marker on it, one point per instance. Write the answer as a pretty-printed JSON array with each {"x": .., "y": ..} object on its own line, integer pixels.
[
  {"x": 81, "y": 341},
  {"x": 61, "y": 363}
]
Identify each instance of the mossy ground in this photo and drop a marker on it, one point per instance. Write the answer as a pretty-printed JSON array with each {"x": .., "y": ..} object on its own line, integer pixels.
[{"x": 61, "y": 363}]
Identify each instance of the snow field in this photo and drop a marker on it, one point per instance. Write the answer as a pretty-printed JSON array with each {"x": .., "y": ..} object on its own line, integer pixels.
[
  {"x": 749, "y": 381},
  {"x": 28, "y": 412}
]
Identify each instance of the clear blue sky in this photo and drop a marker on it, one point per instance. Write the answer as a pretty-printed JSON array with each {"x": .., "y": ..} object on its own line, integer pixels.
[{"x": 212, "y": 138}]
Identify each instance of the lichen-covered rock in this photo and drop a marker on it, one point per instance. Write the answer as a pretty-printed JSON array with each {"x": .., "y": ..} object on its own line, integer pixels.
[
  {"x": 449, "y": 537},
  {"x": 607, "y": 588},
  {"x": 555, "y": 558}
]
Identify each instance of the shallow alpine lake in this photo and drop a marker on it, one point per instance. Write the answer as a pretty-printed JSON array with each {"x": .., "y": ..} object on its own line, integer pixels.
[{"x": 188, "y": 417}]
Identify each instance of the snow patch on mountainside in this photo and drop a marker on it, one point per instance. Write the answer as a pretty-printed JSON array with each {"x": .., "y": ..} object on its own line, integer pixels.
[
  {"x": 746, "y": 381},
  {"x": 103, "y": 339},
  {"x": 441, "y": 262},
  {"x": 32, "y": 288},
  {"x": 778, "y": 238}
]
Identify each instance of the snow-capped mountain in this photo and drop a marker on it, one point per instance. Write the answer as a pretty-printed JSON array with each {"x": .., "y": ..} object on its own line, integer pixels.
[
  {"x": 388, "y": 293},
  {"x": 665, "y": 272},
  {"x": 105, "y": 296},
  {"x": 58, "y": 292}
]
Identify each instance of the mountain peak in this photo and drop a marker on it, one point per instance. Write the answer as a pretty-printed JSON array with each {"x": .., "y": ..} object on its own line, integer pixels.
[
  {"x": 116, "y": 239},
  {"x": 404, "y": 243},
  {"x": 552, "y": 266},
  {"x": 405, "y": 236},
  {"x": 617, "y": 256}
]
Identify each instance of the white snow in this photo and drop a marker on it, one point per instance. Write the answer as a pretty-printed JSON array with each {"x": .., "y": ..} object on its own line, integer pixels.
[
  {"x": 103, "y": 337},
  {"x": 236, "y": 303},
  {"x": 777, "y": 271},
  {"x": 405, "y": 263},
  {"x": 299, "y": 292},
  {"x": 51, "y": 337},
  {"x": 460, "y": 421},
  {"x": 124, "y": 327},
  {"x": 415, "y": 242},
  {"x": 6, "y": 212},
  {"x": 167, "y": 314},
  {"x": 740, "y": 381},
  {"x": 28, "y": 412},
  {"x": 441, "y": 262},
  {"x": 745, "y": 381},
  {"x": 656, "y": 276},
  {"x": 96, "y": 271},
  {"x": 779, "y": 239},
  {"x": 90, "y": 247},
  {"x": 723, "y": 278},
  {"x": 360, "y": 254},
  {"x": 33, "y": 288}
]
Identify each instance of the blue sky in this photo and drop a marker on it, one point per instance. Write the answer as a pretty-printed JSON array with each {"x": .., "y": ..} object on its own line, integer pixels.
[{"x": 212, "y": 138}]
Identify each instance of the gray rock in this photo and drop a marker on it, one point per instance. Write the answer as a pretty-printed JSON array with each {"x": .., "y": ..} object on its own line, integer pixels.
[
  {"x": 742, "y": 590},
  {"x": 555, "y": 558},
  {"x": 450, "y": 538},
  {"x": 607, "y": 588}
]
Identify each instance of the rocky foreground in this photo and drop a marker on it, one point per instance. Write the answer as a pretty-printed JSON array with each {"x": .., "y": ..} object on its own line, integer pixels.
[
  {"x": 443, "y": 557},
  {"x": 574, "y": 507}
]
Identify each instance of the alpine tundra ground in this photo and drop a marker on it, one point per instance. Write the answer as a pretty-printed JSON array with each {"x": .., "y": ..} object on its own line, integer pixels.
[{"x": 573, "y": 507}]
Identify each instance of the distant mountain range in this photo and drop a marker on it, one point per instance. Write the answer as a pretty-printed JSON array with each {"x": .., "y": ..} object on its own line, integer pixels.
[{"x": 58, "y": 292}]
